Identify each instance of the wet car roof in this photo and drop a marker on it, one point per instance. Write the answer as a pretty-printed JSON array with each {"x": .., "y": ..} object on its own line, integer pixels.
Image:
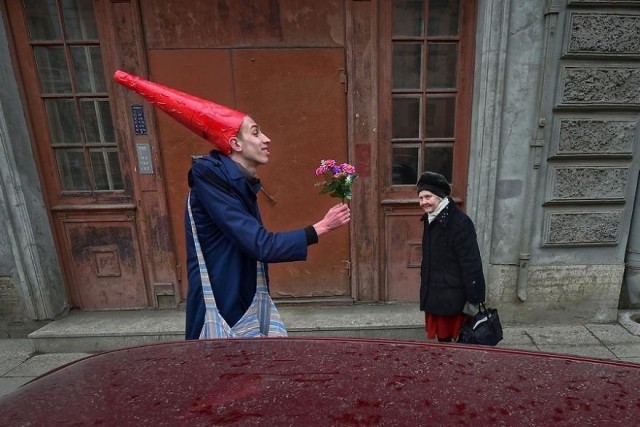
[{"x": 297, "y": 381}]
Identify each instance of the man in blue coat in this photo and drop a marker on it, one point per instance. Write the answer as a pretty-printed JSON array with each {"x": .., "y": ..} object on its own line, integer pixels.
[
  {"x": 230, "y": 230},
  {"x": 234, "y": 246}
]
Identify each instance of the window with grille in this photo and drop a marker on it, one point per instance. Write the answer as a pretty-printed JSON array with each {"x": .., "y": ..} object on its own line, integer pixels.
[
  {"x": 425, "y": 51},
  {"x": 66, "y": 48}
]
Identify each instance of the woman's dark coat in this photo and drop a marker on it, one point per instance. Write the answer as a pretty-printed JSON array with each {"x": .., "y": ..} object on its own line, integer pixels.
[{"x": 451, "y": 272}]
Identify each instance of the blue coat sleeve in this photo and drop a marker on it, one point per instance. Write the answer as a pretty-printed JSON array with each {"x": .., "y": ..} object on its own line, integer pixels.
[{"x": 230, "y": 210}]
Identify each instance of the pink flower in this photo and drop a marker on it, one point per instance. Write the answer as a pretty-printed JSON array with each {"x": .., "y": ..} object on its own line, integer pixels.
[
  {"x": 348, "y": 168},
  {"x": 337, "y": 179}
]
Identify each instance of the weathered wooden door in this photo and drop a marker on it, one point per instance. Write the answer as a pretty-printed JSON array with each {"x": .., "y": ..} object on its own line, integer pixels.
[
  {"x": 100, "y": 181},
  {"x": 282, "y": 63},
  {"x": 426, "y": 64}
]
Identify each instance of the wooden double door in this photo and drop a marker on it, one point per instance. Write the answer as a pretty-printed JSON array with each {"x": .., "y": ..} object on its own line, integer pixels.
[{"x": 114, "y": 171}]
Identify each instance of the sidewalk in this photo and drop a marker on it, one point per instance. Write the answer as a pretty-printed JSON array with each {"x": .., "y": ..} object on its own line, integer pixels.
[{"x": 95, "y": 332}]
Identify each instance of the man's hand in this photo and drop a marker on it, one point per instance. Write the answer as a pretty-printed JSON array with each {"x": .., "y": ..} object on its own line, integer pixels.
[{"x": 335, "y": 217}]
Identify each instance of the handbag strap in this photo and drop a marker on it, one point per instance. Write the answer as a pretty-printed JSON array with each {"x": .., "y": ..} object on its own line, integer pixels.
[
  {"x": 483, "y": 309},
  {"x": 212, "y": 315}
]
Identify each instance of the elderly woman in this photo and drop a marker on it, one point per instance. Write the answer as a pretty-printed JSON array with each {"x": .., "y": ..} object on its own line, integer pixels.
[{"x": 452, "y": 281}]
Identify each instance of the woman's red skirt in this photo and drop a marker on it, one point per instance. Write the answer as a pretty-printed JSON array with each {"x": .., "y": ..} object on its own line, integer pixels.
[{"x": 443, "y": 327}]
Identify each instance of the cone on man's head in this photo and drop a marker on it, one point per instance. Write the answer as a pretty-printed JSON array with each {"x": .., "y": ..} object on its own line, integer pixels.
[{"x": 215, "y": 123}]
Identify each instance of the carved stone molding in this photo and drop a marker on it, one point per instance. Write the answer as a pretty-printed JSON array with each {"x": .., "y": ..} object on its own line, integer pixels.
[
  {"x": 604, "y": 3},
  {"x": 582, "y": 228},
  {"x": 595, "y": 137},
  {"x": 589, "y": 183},
  {"x": 604, "y": 34},
  {"x": 596, "y": 86}
]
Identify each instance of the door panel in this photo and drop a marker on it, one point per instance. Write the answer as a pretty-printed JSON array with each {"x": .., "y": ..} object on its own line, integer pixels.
[
  {"x": 202, "y": 73},
  {"x": 212, "y": 24},
  {"x": 404, "y": 250},
  {"x": 298, "y": 98},
  {"x": 106, "y": 259}
]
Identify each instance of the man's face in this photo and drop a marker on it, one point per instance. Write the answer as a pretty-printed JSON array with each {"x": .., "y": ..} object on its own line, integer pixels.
[
  {"x": 254, "y": 144},
  {"x": 428, "y": 201}
]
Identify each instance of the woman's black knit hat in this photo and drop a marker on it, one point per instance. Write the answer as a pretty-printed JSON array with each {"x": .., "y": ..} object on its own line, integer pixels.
[{"x": 435, "y": 183}]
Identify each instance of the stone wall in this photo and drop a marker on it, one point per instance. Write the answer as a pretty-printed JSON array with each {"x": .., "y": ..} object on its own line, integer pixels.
[
  {"x": 10, "y": 307},
  {"x": 591, "y": 169},
  {"x": 13, "y": 321},
  {"x": 558, "y": 294},
  {"x": 553, "y": 193}
]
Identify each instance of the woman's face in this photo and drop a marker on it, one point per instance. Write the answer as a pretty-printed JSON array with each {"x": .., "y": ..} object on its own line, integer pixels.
[{"x": 428, "y": 201}]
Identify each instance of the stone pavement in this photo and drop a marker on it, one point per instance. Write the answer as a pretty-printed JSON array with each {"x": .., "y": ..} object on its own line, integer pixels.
[{"x": 80, "y": 334}]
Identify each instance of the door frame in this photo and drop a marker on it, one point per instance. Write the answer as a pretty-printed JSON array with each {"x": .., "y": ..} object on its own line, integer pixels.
[
  {"x": 122, "y": 46},
  {"x": 402, "y": 200}
]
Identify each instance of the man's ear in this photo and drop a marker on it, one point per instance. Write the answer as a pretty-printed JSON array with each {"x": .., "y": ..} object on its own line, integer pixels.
[{"x": 235, "y": 144}]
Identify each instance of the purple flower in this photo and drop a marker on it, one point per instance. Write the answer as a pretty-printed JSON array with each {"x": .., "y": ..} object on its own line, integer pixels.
[{"x": 337, "y": 179}]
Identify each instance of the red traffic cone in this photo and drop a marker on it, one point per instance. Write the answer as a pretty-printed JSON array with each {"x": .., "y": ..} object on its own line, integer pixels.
[{"x": 215, "y": 123}]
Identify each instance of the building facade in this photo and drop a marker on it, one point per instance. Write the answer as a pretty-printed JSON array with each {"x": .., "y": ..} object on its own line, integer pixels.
[{"x": 530, "y": 109}]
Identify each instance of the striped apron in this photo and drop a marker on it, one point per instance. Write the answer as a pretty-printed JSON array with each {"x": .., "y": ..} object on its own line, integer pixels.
[{"x": 261, "y": 318}]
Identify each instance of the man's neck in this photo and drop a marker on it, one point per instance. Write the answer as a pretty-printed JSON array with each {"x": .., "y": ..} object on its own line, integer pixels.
[
  {"x": 250, "y": 169},
  {"x": 250, "y": 175}
]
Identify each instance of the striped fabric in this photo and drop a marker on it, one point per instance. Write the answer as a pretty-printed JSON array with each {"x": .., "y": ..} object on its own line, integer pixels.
[{"x": 261, "y": 318}]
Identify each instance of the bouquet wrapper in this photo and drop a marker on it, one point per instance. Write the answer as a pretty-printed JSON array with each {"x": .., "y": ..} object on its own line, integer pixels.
[{"x": 213, "y": 122}]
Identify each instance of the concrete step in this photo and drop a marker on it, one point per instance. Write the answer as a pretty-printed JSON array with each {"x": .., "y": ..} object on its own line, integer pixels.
[{"x": 96, "y": 331}]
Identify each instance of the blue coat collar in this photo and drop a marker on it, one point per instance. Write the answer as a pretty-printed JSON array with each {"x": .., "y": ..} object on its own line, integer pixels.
[{"x": 235, "y": 172}]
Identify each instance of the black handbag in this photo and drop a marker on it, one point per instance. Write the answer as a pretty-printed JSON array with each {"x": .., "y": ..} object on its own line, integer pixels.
[{"x": 484, "y": 328}]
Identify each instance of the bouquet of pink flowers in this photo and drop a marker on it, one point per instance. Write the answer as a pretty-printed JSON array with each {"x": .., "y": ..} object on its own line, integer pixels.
[{"x": 337, "y": 179}]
